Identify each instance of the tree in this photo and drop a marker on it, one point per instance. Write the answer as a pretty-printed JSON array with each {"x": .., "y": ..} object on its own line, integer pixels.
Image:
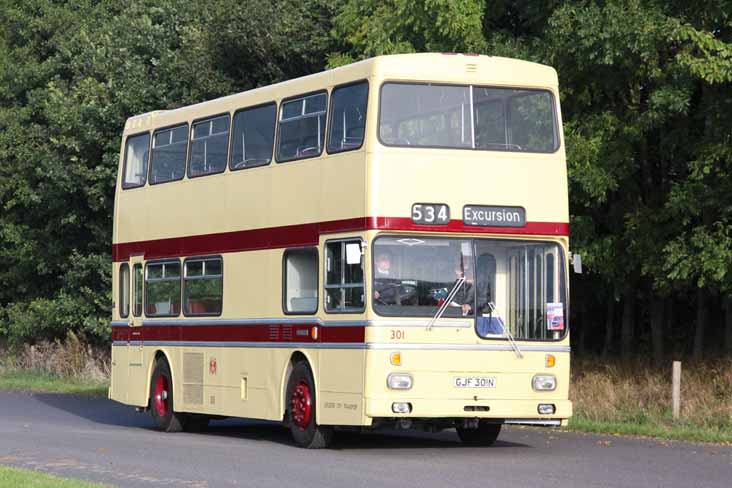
[{"x": 71, "y": 72}]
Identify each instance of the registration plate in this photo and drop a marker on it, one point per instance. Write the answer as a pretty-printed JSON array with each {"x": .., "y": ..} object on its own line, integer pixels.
[{"x": 474, "y": 382}]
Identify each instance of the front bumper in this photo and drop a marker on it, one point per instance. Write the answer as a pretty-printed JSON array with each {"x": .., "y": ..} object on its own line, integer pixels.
[{"x": 504, "y": 409}]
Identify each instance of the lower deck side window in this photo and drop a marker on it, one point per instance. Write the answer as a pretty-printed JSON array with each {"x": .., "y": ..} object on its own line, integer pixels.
[
  {"x": 124, "y": 290},
  {"x": 203, "y": 290},
  {"x": 162, "y": 289},
  {"x": 300, "y": 283}
]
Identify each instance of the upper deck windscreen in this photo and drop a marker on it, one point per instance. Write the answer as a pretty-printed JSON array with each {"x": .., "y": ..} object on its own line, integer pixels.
[{"x": 467, "y": 117}]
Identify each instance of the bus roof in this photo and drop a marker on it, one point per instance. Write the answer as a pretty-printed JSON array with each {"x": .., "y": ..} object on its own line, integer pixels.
[{"x": 430, "y": 67}]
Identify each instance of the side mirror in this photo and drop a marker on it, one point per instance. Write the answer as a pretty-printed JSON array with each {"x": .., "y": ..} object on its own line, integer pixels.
[
  {"x": 577, "y": 263},
  {"x": 353, "y": 253}
]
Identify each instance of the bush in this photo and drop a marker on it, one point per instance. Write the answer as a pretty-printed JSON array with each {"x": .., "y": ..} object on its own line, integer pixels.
[{"x": 78, "y": 307}]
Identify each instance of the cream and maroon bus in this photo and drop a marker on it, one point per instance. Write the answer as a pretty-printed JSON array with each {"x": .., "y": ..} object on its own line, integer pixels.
[{"x": 384, "y": 244}]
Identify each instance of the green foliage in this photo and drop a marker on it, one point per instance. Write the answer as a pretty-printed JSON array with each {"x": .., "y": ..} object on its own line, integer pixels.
[
  {"x": 646, "y": 101},
  {"x": 71, "y": 72},
  {"x": 373, "y": 27}
]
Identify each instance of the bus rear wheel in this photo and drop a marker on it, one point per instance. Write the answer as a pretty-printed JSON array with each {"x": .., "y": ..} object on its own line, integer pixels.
[
  {"x": 161, "y": 399},
  {"x": 301, "y": 409},
  {"x": 483, "y": 435}
]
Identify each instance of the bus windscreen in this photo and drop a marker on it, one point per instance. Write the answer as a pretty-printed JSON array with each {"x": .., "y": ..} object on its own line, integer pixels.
[
  {"x": 506, "y": 286},
  {"x": 467, "y": 117}
]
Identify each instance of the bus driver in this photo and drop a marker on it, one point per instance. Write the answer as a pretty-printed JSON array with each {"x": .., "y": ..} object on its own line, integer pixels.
[{"x": 386, "y": 287}]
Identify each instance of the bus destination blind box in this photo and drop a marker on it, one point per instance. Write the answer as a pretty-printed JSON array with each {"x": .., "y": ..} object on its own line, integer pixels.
[
  {"x": 430, "y": 214},
  {"x": 491, "y": 216}
]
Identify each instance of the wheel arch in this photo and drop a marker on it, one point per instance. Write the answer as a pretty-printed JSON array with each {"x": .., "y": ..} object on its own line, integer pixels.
[
  {"x": 298, "y": 355},
  {"x": 165, "y": 354}
]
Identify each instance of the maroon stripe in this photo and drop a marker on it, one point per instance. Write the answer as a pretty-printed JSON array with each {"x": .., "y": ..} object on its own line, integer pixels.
[
  {"x": 531, "y": 228},
  {"x": 306, "y": 235},
  {"x": 242, "y": 333}
]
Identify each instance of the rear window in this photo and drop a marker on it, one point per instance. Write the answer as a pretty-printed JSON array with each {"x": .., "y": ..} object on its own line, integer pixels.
[{"x": 137, "y": 150}]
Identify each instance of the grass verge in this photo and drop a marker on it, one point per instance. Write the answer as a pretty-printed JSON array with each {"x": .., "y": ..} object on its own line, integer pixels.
[
  {"x": 14, "y": 477},
  {"x": 41, "y": 381},
  {"x": 634, "y": 398},
  {"x": 678, "y": 432}
]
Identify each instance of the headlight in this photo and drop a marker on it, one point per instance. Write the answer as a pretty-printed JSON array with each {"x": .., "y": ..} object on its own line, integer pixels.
[
  {"x": 544, "y": 382},
  {"x": 399, "y": 381}
]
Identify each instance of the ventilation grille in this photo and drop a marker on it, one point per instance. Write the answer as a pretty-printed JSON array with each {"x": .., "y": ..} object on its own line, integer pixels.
[
  {"x": 193, "y": 378},
  {"x": 286, "y": 332},
  {"x": 274, "y": 332},
  {"x": 193, "y": 367},
  {"x": 471, "y": 68},
  {"x": 193, "y": 394}
]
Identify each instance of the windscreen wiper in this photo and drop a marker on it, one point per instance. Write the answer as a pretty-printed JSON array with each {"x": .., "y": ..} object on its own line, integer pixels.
[
  {"x": 506, "y": 331},
  {"x": 509, "y": 336},
  {"x": 513, "y": 343},
  {"x": 456, "y": 287}
]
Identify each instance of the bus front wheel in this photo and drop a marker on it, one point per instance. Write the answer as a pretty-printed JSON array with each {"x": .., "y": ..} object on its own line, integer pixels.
[
  {"x": 161, "y": 399},
  {"x": 483, "y": 435},
  {"x": 301, "y": 405}
]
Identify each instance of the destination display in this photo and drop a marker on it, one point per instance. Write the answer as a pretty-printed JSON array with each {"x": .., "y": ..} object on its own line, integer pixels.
[
  {"x": 494, "y": 216},
  {"x": 430, "y": 213}
]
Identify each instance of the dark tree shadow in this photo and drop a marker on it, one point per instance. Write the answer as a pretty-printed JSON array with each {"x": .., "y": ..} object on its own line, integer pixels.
[{"x": 108, "y": 412}]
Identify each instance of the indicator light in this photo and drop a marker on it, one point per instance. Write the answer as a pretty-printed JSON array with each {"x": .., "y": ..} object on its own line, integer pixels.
[{"x": 396, "y": 358}]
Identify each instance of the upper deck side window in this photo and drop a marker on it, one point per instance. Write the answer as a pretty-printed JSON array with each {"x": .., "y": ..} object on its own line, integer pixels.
[
  {"x": 302, "y": 127},
  {"x": 348, "y": 117},
  {"x": 137, "y": 150},
  {"x": 168, "y": 162},
  {"x": 253, "y": 136},
  {"x": 467, "y": 117},
  {"x": 209, "y": 146}
]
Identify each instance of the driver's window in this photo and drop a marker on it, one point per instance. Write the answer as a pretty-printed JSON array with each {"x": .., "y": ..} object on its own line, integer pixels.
[{"x": 344, "y": 288}]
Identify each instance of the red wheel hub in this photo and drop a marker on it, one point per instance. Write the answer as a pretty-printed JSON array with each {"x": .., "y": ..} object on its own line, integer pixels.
[
  {"x": 161, "y": 396},
  {"x": 301, "y": 405}
]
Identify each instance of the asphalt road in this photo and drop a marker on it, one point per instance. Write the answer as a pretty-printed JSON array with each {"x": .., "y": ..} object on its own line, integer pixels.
[{"x": 103, "y": 441}]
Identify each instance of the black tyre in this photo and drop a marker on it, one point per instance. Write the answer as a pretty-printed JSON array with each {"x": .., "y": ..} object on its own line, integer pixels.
[
  {"x": 301, "y": 410},
  {"x": 161, "y": 399},
  {"x": 484, "y": 435}
]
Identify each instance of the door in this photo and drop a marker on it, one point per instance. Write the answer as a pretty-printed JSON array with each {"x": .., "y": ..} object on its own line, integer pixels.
[{"x": 137, "y": 372}]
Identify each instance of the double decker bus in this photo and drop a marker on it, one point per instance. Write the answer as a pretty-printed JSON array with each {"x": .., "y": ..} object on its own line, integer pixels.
[{"x": 384, "y": 244}]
